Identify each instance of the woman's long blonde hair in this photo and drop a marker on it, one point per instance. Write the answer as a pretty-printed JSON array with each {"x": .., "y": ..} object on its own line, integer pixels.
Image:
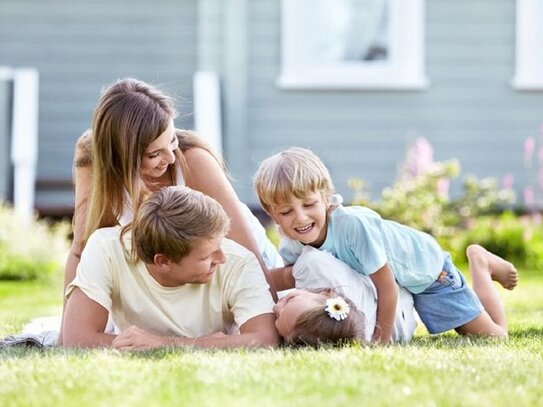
[{"x": 130, "y": 115}]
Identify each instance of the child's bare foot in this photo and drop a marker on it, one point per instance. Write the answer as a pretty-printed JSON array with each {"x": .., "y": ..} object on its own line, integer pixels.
[
  {"x": 503, "y": 272},
  {"x": 500, "y": 270}
]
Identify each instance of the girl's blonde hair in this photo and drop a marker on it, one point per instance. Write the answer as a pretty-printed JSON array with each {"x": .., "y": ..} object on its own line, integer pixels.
[
  {"x": 172, "y": 221},
  {"x": 130, "y": 115},
  {"x": 316, "y": 327},
  {"x": 293, "y": 172}
]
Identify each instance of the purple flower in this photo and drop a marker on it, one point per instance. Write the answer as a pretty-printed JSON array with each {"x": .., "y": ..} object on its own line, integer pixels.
[
  {"x": 507, "y": 181},
  {"x": 529, "y": 148},
  {"x": 529, "y": 197},
  {"x": 443, "y": 187}
]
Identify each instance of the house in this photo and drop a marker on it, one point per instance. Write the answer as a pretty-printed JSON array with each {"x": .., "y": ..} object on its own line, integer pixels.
[{"x": 468, "y": 76}]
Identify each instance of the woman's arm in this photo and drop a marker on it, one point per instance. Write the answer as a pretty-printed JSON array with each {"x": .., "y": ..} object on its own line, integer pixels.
[
  {"x": 82, "y": 180},
  {"x": 207, "y": 176},
  {"x": 82, "y": 185},
  {"x": 387, "y": 299},
  {"x": 282, "y": 278}
]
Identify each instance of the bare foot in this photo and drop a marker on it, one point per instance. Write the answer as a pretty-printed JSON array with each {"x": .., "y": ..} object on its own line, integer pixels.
[{"x": 500, "y": 270}]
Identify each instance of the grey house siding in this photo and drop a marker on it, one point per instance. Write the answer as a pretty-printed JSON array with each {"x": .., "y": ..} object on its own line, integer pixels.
[
  {"x": 81, "y": 46},
  {"x": 470, "y": 111}
]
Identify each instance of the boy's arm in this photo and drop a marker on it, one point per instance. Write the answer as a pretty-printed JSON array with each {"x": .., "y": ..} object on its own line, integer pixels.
[
  {"x": 258, "y": 331},
  {"x": 387, "y": 299},
  {"x": 282, "y": 278},
  {"x": 84, "y": 322}
]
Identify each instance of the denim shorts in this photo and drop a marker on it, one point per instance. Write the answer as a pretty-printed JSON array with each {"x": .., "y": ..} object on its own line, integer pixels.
[{"x": 448, "y": 302}]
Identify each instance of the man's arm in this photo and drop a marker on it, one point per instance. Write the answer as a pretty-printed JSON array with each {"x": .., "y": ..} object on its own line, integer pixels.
[
  {"x": 84, "y": 322},
  {"x": 387, "y": 299},
  {"x": 259, "y": 331}
]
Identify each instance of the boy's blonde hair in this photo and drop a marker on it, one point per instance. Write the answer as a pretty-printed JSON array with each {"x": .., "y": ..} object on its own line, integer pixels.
[
  {"x": 294, "y": 172},
  {"x": 315, "y": 326},
  {"x": 172, "y": 221}
]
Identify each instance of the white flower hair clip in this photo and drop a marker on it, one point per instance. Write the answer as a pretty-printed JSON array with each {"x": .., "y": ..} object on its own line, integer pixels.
[{"x": 337, "y": 308}]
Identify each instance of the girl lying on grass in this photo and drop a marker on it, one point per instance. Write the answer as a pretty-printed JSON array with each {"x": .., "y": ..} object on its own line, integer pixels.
[{"x": 347, "y": 312}]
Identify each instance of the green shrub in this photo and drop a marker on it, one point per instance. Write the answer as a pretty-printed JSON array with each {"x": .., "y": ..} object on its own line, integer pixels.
[
  {"x": 517, "y": 239},
  {"x": 30, "y": 249}
]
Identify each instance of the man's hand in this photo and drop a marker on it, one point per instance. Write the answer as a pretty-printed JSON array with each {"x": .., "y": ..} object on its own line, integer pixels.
[{"x": 135, "y": 338}]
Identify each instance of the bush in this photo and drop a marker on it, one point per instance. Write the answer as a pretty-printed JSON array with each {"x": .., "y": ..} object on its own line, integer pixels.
[
  {"x": 419, "y": 198},
  {"x": 517, "y": 239},
  {"x": 30, "y": 249}
]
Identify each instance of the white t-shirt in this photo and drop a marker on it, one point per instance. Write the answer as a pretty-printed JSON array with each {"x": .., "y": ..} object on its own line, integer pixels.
[
  {"x": 315, "y": 269},
  {"x": 236, "y": 293}
]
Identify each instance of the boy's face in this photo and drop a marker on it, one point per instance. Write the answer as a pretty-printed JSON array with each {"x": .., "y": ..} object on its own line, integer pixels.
[{"x": 303, "y": 219}]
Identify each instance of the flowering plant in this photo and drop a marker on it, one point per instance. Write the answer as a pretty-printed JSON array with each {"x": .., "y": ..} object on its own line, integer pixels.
[{"x": 337, "y": 308}]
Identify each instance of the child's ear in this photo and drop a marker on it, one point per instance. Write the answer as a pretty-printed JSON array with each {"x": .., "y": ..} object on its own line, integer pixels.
[{"x": 162, "y": 262}]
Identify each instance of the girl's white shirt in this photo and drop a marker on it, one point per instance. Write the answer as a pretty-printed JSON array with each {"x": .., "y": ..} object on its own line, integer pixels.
[{"x": 316, "y": 269}]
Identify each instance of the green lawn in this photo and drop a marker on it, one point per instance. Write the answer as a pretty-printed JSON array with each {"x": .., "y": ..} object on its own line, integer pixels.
[{"x": 444, "y": 370}]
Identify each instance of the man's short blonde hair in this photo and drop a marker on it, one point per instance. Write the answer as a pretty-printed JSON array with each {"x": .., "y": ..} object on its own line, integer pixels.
[
  {"x": 294, "y": 172},
  {"x": 173, "y": 220}
]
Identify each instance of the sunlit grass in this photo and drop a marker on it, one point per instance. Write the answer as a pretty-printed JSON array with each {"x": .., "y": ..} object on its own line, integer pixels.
[{"x": 438, "y": 370}]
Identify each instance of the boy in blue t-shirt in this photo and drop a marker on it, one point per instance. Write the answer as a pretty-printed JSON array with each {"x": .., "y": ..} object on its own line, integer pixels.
[{"x": 295, "y": 189}]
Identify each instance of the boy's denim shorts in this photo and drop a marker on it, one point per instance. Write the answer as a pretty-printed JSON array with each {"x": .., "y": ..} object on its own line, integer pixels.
[{"x": 448, "y": 302}]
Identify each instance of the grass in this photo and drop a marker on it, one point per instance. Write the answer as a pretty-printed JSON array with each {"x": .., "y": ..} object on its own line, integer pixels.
[{"x": 443, "y": 370}]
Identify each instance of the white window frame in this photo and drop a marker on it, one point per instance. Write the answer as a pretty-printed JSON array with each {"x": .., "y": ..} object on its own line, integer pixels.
[
  {"x": 529, "y": 46},
  {"x": 403, "y": 70}
]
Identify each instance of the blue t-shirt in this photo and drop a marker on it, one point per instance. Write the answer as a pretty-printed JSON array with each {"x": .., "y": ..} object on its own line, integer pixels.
[{"x": 359, "y": 237}]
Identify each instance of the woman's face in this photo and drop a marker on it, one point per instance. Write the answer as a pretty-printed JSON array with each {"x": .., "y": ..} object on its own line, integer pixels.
[
  {"x": 289, "y": 308},
  {"x": 160, "y": 153}
]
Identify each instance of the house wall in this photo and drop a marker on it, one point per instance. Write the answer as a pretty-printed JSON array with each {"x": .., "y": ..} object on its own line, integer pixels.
[
  {"x": 470, "y": 111},
  {"x": 81, "y": 46}
]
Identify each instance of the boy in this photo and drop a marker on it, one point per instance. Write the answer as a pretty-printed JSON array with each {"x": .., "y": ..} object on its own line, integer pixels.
[
  {"x": 296, "y": 190},
  {"x": 176, "y": 282}
]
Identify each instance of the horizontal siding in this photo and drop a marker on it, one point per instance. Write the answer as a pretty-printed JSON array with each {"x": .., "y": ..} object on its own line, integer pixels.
[
  {"x": 80, "y": 47},
  {"x": 469, "y": 111}
]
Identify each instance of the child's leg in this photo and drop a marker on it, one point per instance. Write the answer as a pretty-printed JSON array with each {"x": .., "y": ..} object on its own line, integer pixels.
[{"x": 485, "y": 267}]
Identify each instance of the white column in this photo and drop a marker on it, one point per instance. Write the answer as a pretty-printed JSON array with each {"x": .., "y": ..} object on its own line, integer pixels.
[
  {"x": 207, "y": 108},
  {"x": 24, "y": 139}
]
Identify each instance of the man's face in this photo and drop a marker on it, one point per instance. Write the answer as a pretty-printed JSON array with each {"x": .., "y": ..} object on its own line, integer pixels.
[{"x": 199, "y": 265}]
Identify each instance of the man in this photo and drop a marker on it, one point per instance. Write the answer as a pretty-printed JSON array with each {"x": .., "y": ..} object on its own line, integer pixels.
[{"x": 176, "y": 282}]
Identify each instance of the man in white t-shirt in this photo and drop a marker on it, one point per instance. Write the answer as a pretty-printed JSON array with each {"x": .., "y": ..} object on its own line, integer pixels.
[{"x": 171, "y": 279}]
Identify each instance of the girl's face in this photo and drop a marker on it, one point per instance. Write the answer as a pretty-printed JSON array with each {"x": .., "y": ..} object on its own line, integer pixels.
[
  {"x": 289, "y": 308},
  {"x": 303, "y": 219},
  {"x": 160, "y": 154}
]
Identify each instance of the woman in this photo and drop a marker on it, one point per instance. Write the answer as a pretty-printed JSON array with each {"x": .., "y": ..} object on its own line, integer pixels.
[{"x": 133, "y": 150}]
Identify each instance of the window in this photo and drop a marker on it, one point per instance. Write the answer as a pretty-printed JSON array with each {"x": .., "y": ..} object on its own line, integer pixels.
[
  {"x": 352, "y": 44},
  {"x": 529, "y": 49}
]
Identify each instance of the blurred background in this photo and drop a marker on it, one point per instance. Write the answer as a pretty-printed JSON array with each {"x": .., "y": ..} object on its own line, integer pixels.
[{"x": 357, "y": 81}]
